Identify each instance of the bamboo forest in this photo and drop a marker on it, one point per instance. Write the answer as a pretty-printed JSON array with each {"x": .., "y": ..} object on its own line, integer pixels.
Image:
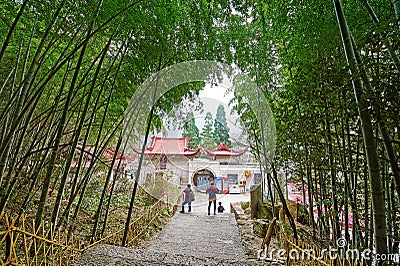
[{"x": 315, "y": 169}]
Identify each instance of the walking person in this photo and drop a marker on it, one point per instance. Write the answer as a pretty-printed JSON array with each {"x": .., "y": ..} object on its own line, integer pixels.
[
  {"x": 187, "y": 196},
  {"x": 212, "y": 196}
]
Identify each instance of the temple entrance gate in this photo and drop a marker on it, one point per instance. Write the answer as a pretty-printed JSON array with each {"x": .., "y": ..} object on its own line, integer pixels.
[{"x": 202, "y": 179}]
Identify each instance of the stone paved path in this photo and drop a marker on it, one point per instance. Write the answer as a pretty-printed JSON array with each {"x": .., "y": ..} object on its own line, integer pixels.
[{"x": 188, "y": 239}]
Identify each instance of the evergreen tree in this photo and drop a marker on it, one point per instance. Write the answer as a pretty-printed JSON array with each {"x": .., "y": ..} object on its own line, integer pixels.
[
  {"x": 206, "y": 135},
  {"x": 191, "y": 131},
  {"x": 221, "y": 130}
]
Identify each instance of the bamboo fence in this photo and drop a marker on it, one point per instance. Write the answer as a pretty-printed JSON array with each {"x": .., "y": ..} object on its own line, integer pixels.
[{"x": 23, "y": 245}]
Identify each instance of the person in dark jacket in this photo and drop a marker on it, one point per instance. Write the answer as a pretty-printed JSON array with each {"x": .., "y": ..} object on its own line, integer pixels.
[
  {"x": 186, "y": 199},
  {"x": 221, "y": 208},
  {"x": 212, "y": 196}
]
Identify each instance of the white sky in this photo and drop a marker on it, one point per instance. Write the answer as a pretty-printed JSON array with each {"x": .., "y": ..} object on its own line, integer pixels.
[
  {"x": 212, "y": 96},
  {"x": 216, "y": 92}
]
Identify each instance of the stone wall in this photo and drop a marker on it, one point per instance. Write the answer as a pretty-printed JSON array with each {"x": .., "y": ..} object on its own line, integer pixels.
[{"x": 255, "y": 196}]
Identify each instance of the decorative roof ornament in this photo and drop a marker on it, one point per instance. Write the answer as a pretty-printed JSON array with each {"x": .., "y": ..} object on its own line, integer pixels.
[
  {"x": 169, "y": 146},
  {"x": 223, "y": 150}
]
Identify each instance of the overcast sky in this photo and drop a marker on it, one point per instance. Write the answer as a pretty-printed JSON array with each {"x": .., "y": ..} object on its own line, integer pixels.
[
  {"x": 211, "y": 97},
  {"x": 216, "y": 92}
]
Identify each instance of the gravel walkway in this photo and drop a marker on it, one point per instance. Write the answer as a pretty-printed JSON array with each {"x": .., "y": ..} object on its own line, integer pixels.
[{"x": 188, "y": 239}]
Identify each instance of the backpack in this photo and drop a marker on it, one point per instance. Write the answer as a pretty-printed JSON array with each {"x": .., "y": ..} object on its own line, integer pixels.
[
  {"x": 212, "y": 194},
  {"x": 191, "y": 196}
]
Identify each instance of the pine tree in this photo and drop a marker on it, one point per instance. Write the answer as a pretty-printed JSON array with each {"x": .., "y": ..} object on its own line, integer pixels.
[
  {"x": 206, "y": 135},
  {"x": 191, "y": 131},
  {"x": 221, "y": 130}
]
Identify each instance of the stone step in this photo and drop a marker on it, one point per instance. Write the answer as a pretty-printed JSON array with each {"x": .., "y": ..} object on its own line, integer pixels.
[
  {"x": 194, "y": 238},
  {"x": 102, "y": 255}
]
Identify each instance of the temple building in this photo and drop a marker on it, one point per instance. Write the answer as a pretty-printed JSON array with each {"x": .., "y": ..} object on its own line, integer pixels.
[{"x": 172, "y": 158}]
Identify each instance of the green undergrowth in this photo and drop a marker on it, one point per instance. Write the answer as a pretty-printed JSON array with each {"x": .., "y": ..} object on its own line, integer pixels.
[{"x": 118, "y": 207}]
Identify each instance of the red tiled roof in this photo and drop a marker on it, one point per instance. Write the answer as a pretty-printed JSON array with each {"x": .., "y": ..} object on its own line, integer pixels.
[
  {"x": 223, "y": 150},
  {"x": 180, "y": 146},
  {"x": 108, "y": 155},
  {"x": 169, "y": 146}
]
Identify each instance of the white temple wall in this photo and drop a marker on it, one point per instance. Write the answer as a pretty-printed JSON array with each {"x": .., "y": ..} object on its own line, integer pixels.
[
  {"x": 178, "y": 165},
  {"x": 181, "y": 169}
]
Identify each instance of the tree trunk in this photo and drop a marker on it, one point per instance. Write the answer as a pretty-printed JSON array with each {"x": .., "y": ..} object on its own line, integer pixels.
[
  {"x": 366, "y": 211},
  {"x": 101, "y": 126},
  {"x": 60, "y": 132},
  {"x": 12, "y": 28},
  {"x": 284, "y": 205},
  {"x": 385, "y": 40},
  {"x": 353, "y": 187},
  {"x": 84, "y": 181},
  {"x": 128, "y": 219},
  {"x": 104, "y": 192},
  {"x": 310, "y": 195},
  {"x": 387, "y": 140},
  {"x": 343, "y": 161},
  {"x": 335, "y": 212},
  {"x": 7, "y": 188},
  {"x": 78, "y": 134},
  {"x": 6, "y": 144},
  {"x": 396, "y": 5},
  {"x": 369, "y": 139}
]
